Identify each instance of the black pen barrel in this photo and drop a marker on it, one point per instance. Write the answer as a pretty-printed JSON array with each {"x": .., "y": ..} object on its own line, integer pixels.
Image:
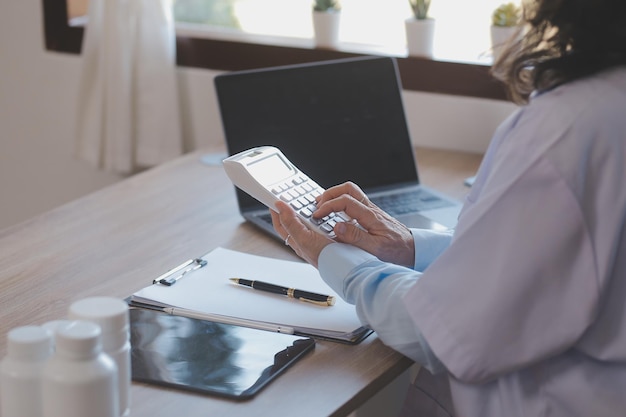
[
  {"x": 264, "y": 286},
  {"x": 310, "y": 296},
  {"x": 289, "y": 292}
]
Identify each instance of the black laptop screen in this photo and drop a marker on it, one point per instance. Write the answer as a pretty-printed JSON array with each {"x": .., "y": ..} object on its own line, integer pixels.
[{"x": 336, "y": 120}]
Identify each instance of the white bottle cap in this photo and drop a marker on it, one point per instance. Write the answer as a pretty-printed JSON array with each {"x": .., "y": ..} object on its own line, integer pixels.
[
  {"x": 53, "y": 325},
  {"x": 111, "y": 314},
  {"x": 29, "y": 343},
  {"x": 78, "y": 339}
]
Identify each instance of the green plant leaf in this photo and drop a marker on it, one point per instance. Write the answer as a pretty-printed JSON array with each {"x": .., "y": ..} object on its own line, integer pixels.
[
  {"x": 420, "y": 8},
  {"x": 506, "y": 15},
  {"x": 326, "y": 5}
]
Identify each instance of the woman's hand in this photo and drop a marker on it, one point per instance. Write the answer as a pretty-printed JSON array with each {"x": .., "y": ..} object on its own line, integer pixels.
[
  {"x": 379, "y": 234},
  {"x": 305, "y": 242}
]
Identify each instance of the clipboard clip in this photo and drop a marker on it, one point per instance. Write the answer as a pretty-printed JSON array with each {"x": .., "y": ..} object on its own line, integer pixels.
[{"x": 173, "y": 275}]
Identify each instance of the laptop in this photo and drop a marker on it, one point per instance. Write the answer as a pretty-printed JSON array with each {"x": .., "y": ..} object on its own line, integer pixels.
[{"x": 337, "y": 120}]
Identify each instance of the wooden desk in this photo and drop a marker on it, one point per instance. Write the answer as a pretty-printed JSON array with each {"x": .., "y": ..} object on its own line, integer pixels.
[{"x": 113, "y": 242}]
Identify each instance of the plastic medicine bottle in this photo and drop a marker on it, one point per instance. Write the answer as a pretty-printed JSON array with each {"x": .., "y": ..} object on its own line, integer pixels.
[
  {"x": 79, "y": 380},
  {"x": 52, "y": 327},
  {"x": 28, "y": 348},
  {"x": 111, "y": 314}
]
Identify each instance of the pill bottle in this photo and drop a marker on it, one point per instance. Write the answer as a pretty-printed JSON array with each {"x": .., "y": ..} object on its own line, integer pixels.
[
  {"x": 111, "y": 314},
  {"x": 79, "y": 380},
  {"x": 52, "y": 327},
  {"x": 28, "y": 348}
]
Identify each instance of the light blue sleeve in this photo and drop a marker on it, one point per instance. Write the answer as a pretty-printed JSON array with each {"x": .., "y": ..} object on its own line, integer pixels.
[
  {"x": 376, "y": 288},
  {"x": 429, "y": 244}
]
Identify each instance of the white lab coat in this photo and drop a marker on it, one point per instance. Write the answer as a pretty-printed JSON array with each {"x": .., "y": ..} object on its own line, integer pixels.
[{"x": 527, "y": 306}]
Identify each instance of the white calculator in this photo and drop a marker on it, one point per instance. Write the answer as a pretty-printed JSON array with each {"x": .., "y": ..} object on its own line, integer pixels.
[{"x": 267, "y": 175}]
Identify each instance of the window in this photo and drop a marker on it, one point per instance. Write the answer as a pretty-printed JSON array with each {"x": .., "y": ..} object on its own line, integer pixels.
[
  {"x": 242, "y": 34},
  {"x": 462, "y": 31}
]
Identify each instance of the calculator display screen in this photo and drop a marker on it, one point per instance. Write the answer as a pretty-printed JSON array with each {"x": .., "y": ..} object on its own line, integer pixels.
[{"x": 270, "y": 169}]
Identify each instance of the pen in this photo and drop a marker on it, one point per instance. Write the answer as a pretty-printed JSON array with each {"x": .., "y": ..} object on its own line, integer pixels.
[
  {"x": 310, "y": 297},
  {"x": 218, "y": 318}
]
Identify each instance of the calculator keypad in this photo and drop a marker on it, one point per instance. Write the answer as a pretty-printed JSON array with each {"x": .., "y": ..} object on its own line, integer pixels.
[{"x": 300, "y": 192}]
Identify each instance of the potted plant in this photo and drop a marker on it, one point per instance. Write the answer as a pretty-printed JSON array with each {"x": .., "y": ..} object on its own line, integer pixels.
[
  {"x": 505, "y": 22},
  {"x": 420, "y": 29},
  {"x": 326, "y": 14}
]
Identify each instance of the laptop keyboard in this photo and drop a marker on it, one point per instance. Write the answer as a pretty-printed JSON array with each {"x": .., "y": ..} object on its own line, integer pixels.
[{"x": 409, "y": 202}]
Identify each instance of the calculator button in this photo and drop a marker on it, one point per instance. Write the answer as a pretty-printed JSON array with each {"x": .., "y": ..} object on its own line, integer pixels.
[
  {"x": 317, "y": 221},
  {"x": 343, "y": 216},
  {"x": 306, "y": 212}
]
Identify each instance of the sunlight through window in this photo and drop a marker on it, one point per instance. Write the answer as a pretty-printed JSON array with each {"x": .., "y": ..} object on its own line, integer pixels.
[{"x": 461, "y": 28}]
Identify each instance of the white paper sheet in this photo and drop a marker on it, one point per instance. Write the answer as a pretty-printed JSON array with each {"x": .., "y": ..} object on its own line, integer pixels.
[{"x": 209, "y": 290}]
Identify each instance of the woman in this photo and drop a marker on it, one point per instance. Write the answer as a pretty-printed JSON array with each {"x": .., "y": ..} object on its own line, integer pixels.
[{"x": 524, "y": 304}]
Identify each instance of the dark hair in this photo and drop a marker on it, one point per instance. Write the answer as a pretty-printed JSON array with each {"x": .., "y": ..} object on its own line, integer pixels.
[{"x": 564, "y": 40}]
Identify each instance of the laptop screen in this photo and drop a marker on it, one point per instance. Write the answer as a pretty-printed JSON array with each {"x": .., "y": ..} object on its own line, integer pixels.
[{"x": 336, "y": 120}]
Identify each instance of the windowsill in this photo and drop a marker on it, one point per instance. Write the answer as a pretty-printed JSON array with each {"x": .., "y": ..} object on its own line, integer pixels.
[
  {"x": 190, "y": 30},
  {"x": 230, "y": 50}
]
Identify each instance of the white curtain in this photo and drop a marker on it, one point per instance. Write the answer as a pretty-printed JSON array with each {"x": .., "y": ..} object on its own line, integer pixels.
[{"x": 128, "y": 106}]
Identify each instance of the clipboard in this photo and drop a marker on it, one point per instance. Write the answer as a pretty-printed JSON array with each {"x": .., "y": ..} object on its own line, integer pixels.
[{"x": 201, "y": 286}]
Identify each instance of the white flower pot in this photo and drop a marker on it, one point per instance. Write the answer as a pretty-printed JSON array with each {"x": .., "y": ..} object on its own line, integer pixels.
[
  {"x": 420, "y": 35},
  {"x": 326, "y": 28},
  {"x": 500, "y": 37}
]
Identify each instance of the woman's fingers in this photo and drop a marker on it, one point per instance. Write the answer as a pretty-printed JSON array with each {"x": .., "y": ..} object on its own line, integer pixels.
[
  {"x": 375, "y": 231},
  {"x": 364, "y": 213},
  {"x": 347, "y": 188},
  {"x": 305, "y": 242}
]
